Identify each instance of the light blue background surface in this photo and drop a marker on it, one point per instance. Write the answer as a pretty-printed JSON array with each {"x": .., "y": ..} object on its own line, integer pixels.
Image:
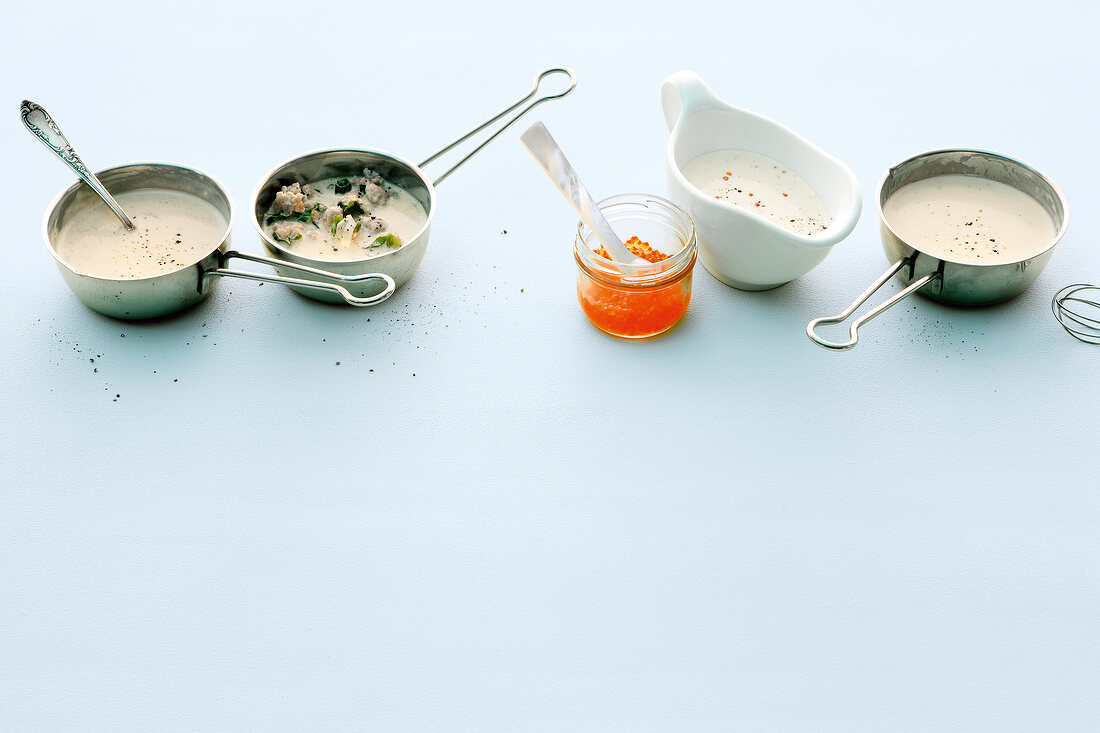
[{"x": 467, "y": 509}]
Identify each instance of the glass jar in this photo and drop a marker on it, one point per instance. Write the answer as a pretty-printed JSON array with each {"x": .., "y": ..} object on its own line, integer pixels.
[{"x": 637, "y": 301}]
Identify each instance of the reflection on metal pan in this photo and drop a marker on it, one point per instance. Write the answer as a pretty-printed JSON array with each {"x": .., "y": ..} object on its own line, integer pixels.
[
  {"x": 171, "y": 292},
  {"x": 399, "y": 264},
  {"x": 943, "y": 280}
]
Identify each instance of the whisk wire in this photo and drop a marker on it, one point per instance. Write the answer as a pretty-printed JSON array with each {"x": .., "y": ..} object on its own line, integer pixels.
[{"x": 1079, "y": 316}]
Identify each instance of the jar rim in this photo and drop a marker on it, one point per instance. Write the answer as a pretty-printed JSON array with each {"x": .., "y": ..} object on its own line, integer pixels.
[{"x": 648, "y": 273}]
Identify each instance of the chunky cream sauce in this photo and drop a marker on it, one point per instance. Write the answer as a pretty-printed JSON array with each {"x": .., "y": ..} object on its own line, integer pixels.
[
  {"x": 172, "y": 230},
  {"x": 969, "y": 219},
  {"x": 367, "y": 218},
  {"x": 762, "y": 186}
]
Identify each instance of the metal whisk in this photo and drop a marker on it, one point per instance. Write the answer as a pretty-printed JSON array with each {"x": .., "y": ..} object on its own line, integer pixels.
[{"x": 1077, "y": 313}]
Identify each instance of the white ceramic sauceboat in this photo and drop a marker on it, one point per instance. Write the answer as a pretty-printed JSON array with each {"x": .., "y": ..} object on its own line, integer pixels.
[{"x": 738, "y": 247}]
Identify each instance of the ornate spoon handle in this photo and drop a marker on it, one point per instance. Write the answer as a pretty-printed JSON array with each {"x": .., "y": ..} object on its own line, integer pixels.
[{"x": 42, "y": 126}]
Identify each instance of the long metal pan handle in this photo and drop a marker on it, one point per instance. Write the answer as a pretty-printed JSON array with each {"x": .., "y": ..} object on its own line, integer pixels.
[
  {"x": 303, "y": 283},
  {"x": 881, "y": 308},
  {"x": 533, "y": 102}
]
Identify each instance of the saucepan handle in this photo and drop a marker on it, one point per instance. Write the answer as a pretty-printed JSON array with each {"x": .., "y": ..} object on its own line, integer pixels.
[
  {"x": 881, "y": 308},
  {"x": 531, "y": 101},
  {"x": 334, "y": 287}
]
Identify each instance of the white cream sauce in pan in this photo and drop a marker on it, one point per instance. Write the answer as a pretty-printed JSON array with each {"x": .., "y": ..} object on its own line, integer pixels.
[
  {"x": 969, "y": 219},
  {"x": 345, "y": 218},
  {"x": 172, "y": 230}
]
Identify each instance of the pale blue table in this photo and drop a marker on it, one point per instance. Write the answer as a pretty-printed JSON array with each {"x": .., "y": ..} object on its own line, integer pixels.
[{"x": 469, "y": 510}]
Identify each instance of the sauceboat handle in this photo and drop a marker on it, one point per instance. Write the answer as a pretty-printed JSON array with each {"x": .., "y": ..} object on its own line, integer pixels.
[
  {"x": 683, "y": 94},
  {"x": 881, "y": 308},
  {"x": 333, "y": 287}
]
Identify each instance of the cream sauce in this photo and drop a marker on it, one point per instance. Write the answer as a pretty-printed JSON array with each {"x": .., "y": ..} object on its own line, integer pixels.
[
  {"x": 761, "y": 186},
  {"x": 356, "y": 236},
  {"x": 172, "y": 230},
  {"x": 969, "y": 219}
]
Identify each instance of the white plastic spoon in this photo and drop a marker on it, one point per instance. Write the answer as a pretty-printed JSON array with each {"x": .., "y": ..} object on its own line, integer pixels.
[{"x": 546, "y": 151}]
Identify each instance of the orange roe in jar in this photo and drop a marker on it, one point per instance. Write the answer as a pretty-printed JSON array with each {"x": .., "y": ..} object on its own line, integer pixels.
[
  {"x": 629, "y": 310},
  {"x": 642, "y": 299},
  {"x": 634, "y": 313},
  {"x": 639, "y": 248}
]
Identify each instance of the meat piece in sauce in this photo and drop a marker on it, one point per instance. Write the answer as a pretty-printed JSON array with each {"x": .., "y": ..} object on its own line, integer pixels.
[
  {"x": 288, "y": 231},
  {"x": 328, "y": 215},
  {"x": 290, "y": 200},
  {"x": 372, "y": 226},
  {"x": 372, "y": 188},
  {"x": 375, "y": 193}
]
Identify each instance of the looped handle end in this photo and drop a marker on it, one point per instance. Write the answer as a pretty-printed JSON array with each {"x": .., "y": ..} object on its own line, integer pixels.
[
  {"x": 350, "y": 299},
  {"x": 877, "y": 310},
  {"x": 331, "y": 281},
  {"x": 551, "y": 72},
  {"x": 520, "y": 109},
  {"x": 834, "y": 345}
]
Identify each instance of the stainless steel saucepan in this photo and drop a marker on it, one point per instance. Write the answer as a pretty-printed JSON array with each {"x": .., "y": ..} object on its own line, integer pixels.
[
  {"x": 398, "y": 264},
  {"x": 167, "y": 293},
  {"x": 956, "y": 283}
]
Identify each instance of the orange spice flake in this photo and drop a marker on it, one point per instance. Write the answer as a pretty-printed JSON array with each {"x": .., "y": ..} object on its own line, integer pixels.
[{"x": 638, "y": 247}]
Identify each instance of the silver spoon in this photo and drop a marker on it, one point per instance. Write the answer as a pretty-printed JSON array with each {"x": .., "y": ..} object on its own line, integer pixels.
[
  {"x": 546, "y": 151},
  {"x": 42, "y": 126}
]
